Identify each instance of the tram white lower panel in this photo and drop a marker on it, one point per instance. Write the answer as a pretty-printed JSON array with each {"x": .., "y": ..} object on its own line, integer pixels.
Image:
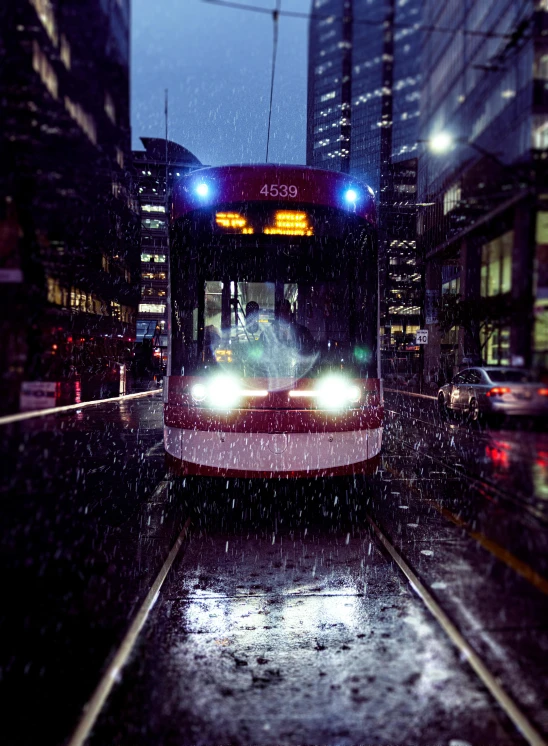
[{"x": 272, "y": 452}]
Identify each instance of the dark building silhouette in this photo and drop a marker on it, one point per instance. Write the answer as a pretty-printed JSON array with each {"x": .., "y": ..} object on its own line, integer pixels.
[
  {"x": 152, "y": 166},
  {"x": 485, "y": 237},
  {"x": 69, "y": 231},
  {"x": 363, "y": 108}
]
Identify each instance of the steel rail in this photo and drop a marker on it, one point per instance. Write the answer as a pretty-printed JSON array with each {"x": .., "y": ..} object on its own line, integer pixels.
[
  {"x": 94, "y": 706},
  {"x": 509, "y": 706}
]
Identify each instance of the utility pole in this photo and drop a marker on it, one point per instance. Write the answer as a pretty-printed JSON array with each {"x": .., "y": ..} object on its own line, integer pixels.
[{"x": 385, "y": 176}]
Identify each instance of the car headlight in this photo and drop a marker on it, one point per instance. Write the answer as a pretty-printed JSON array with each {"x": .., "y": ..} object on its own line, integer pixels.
[{"x": 336, "y": 393}]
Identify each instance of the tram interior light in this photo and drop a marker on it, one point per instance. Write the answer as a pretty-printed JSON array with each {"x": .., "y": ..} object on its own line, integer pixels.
[{"x": 336, "y": 393}]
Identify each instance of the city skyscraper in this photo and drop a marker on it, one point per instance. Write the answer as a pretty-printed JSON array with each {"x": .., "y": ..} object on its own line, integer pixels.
[
  {"x": 153, "y": 165},
  {"x": 363, "y": 109},
  {"x": 69, "y": 231}
]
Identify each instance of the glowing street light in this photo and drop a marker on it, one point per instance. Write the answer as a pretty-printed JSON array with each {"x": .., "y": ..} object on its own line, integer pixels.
[{"x": 441, "y": 143}]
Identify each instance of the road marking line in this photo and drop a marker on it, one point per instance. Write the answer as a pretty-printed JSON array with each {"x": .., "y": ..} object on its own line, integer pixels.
[
  {"x": 502, "y": 554},
  {"x": 508, "y": 705},
  {"x": 522, "y": 568},
  {"x": 99, "y": 697},
  {"x": 8, "y": 419}
]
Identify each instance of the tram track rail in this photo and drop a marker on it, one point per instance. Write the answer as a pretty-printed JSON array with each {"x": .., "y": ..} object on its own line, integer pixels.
[{"x": 113, "y": 670}]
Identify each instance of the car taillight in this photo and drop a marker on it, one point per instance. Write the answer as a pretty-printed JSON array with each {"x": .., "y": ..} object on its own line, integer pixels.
[
  {"x": 498, "y": 391},
  {"x": 543, "y": 392}
]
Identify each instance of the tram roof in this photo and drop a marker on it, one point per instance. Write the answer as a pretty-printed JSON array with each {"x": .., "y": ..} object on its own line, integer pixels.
[{"x": 207, "y": 187}]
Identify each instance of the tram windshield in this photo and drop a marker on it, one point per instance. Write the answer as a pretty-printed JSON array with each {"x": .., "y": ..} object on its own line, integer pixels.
[{"x": 275, "y": 307}]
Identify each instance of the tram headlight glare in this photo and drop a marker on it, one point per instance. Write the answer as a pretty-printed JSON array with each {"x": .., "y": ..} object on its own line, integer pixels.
[
  {"x": 224, "y": 392},
  {"x": 199, "y": 391},
  {"x": 351, "y": 195},
  {"x": 202, "y": 190},
  {"x": 336, "y": 393}
]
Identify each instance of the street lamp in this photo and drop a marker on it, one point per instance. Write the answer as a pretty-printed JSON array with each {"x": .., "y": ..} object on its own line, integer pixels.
[{"x": 443, "y": 142}]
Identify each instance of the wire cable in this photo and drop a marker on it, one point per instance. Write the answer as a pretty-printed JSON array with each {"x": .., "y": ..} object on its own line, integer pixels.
[
  {"x": 362, "y": 21},
  {"x": 275, "y": 17}
]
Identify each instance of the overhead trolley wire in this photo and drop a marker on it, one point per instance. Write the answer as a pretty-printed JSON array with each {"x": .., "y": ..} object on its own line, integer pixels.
[
  {"x": 362, "y": 21},
  {"x": 275, "y": 17}
]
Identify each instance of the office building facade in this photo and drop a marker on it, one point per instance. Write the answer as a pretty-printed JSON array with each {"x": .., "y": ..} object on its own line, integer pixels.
[
  {"x": 484, "y": 229},
  {"x": 69, "y": 264},
  {"x": 160, "y": 163}
]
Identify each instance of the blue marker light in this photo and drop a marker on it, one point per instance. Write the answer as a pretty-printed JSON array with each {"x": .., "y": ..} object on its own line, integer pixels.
[
  {"x": 351, "y": 195},
  {"x": 202, "y": 190}
]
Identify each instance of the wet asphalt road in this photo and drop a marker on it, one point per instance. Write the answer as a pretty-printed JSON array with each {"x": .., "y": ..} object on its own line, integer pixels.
[{"x": 282, "y": 621}]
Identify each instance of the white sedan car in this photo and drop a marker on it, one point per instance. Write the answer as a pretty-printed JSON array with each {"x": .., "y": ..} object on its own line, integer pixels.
[{"x": 494, "y": 390}]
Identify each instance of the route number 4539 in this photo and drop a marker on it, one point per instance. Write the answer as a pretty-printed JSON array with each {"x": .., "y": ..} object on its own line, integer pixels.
[{"x": 279, "y": 190}]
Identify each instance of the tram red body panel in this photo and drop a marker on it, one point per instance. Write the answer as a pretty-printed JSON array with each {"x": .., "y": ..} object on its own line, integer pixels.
[
  {"x": 236, "y": 184},
  {"x": 275, "y": 413}
]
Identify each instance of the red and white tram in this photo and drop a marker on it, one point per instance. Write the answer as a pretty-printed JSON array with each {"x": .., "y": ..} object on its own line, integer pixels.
[{"x": 273, "y": 362}]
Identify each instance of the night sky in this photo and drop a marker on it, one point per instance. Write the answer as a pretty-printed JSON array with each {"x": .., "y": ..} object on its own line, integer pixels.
[{"x": 216, "y": 64}]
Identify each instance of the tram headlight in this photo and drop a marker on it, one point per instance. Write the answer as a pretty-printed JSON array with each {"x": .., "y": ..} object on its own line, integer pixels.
[
  {"x": 223, "y": 392},
  {"x": 351, "y": 195},
  {"x": 202, "y": 190},
  {"x": 336, "y": 393},
  {"x": 199, "y": 391}
]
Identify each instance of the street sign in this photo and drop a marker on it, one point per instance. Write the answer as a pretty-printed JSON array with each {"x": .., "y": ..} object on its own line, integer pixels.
[
  {"x": 37, "y": 395},
  {"x": 421, "y": 337}
]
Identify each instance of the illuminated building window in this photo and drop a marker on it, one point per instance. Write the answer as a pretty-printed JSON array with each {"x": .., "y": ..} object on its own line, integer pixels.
[
  {"x": 327, "y": 96},
  {"x": 56, "y": 293},
  {"x": 152, "y": 308},
  {"x": 158, "y": 258},
  {"x": 64, "y": 52},
  {"x": 110, "y": 108},
  {"x": 540, "y": 334},
  {"x": 540, "y": 132},
  {"x": 451, "y": 198},
  {"x": 84, "y": 120},
  {"x": 41, "y": 65},
  {"x": 495, "y": 345},
  {"x": 496, "y": 265},
  {"x": 153, "y": 223},
  {"x": 153, "y": 208},
  {"x": 45, "y": 13}
]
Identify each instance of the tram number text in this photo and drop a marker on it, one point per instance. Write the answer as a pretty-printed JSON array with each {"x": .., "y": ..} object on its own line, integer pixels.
[{"x": 279, "y": 190}]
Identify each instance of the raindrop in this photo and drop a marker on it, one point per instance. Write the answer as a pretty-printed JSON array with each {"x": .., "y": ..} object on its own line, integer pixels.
[
  {"x": 226, "y": 548},
  {"x": 427, "y": 552},
  {"x": 348, "y": 538}
]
